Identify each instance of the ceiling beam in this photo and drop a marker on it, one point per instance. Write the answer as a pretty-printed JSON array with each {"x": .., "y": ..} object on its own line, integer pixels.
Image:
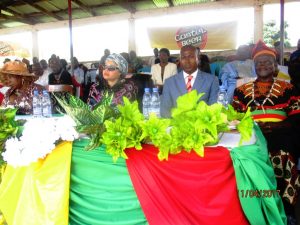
[
  {"x": 20, "y": 16},
  {"x": 65, "y": 11},
  {"x": 44, "y": 11},
  {"x": 13, "y": 3},
  {"x": 17, "y": 19},
  {"x": 125, "y": 5},
  {"x": 84, "y": 7}
]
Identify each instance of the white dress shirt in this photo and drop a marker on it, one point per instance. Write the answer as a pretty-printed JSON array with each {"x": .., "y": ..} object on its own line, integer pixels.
[{"x": 185, "y": 75}]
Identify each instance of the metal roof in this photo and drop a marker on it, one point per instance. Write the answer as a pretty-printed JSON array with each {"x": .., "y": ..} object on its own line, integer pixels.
[{"x": 16, "y": 13}]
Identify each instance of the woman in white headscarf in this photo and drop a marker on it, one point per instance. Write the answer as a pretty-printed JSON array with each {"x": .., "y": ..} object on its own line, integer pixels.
[{"x": 114, "y": 82}]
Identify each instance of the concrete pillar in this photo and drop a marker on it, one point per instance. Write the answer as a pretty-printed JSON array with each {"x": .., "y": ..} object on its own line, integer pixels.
[
  {"x": 35, "y": 45},
  {"x": 258, "y": 20},
  {"x": 131, "y": 34}
]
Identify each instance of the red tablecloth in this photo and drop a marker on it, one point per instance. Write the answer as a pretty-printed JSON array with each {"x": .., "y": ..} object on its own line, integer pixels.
[{"x": 186, "y": 189}]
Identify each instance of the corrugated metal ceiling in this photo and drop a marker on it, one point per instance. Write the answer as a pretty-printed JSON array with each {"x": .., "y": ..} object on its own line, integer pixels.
[{"x": 21, "y": 12}]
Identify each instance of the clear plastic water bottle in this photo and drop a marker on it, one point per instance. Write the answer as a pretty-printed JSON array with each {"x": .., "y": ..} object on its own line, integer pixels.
[
  {"x": 46, "y": 104},
  {"x": 146, "y": 102},
  {"x": 36, "y": 104},
  {"x": 222, "y": 97},
  {"x": 155, "y": 102}
]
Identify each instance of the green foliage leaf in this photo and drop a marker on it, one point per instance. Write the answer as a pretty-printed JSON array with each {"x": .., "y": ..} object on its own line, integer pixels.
[
  {"x": 8, "y": 127},
  {"x": 90, "y": 122},
  {"x": 125, "y": 132},
  {"x": 193, "y": 125},
  {"x": 245, "y": 127},
  {"x": 186, "y": 103}
]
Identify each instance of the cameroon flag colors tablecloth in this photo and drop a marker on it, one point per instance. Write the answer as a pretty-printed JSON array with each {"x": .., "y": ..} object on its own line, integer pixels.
[
  {"x": 186, "y": 189},
  {"x": 101, "y": 192},
  {"x": 253, "y": 171},
  {"x": 38, "y": 194}
]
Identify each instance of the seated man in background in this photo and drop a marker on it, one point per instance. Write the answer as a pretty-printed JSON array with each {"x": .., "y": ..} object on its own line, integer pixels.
[
  {"x": 296, "y": 54},
  {"x": 77, "y": 77},
  {"x": 189, "y": 79},
  {"x": 240, "y": 71},
  {"x": 58, "y": 75},
  {"x": 294, "y": 71},
  {"x": 42, "y": 75},
  {"x": 275, "y": 106}
]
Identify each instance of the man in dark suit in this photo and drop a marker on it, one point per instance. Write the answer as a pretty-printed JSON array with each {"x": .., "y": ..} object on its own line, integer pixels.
[
  {"x": 189, "y": 79},
  {"x": 58, "y": 75}
]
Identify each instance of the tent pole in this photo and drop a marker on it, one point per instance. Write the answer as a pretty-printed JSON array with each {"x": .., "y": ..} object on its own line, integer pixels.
[
  {"x": 71, "y": 36},
  {"x": 281, "y": 31}
]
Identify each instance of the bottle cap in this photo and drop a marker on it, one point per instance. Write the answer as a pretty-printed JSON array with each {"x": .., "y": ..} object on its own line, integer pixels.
[
  {"x": 155, "y": 89},
  {"x": 222, "y": 88},
  {"x": 147, "y": 89},
  {"x": 35, "y": 92}
]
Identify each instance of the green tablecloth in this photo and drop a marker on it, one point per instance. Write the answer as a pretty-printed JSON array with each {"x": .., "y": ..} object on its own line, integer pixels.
[{"x": 110, "y": 198}]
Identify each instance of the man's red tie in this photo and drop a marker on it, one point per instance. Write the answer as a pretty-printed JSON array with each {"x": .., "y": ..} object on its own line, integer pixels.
[{"x": 189, "y": 83}]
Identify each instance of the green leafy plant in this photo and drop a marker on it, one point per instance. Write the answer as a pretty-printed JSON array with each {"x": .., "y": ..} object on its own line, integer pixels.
[
  {"x": 193, "y": 125},
  {"x": 124, "y": 132},
  {"x": 89, "y": 122},
  {"x": 8, "y": 127},
  {"x": 245, "y": 122},
  {"x": 155, "y": 130}
]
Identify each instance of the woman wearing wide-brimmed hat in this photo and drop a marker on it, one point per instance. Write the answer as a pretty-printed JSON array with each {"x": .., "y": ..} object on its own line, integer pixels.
[
  {"x": 113, "y": 82},
  {"x": 21, "y": 83}
]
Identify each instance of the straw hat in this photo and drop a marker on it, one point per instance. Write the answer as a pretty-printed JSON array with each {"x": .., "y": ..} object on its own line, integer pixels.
[{"x": 15, "y": 68}]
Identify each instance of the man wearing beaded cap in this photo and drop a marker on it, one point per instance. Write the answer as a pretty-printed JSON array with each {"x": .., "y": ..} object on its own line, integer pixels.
[{"x": 275, "y": 106}]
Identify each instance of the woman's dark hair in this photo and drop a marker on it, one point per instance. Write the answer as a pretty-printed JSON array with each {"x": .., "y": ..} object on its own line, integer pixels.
[
  {"x": 164, "y": 50},
  {"x": 63, "y": 63}
]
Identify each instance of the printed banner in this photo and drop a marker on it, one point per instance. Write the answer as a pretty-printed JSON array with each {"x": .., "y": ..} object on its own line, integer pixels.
[
  {"x": 221, "y": 36},
  {"x": 195, "y": 35}
]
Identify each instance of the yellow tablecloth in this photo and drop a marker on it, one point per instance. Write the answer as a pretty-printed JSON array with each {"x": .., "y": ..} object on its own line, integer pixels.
[{"x": 38, "y": 194}]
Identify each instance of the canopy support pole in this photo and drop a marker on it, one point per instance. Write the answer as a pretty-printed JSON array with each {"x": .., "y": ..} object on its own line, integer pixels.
[
  {"x": 281, "y": 31},
  {"x": 71, "y": 35},
  {"x": 131, "y": 34}
]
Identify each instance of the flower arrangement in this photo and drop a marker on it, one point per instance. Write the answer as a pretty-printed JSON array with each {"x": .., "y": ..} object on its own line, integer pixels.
[
  {"x": 192, "y": 126},
  {"x": 89, "y": 122},
  {"x": 38, "y": 139}
]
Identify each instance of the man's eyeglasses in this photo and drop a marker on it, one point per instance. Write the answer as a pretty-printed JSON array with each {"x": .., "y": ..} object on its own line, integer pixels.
[{"x": 110, "y": 68}]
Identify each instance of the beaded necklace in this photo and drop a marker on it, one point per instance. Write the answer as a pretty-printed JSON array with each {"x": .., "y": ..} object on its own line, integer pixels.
[{"x": 267, "y": 98}]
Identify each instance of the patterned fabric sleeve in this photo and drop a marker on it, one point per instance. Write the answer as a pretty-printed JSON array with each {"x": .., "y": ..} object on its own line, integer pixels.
[
  {"x": 238, "y": 103},
  {"x": 294, "y": 102},
  {"x": 123, "y": 89},
  {"x": 94, "y": 95},
  {"x": 128, "y": 90}
]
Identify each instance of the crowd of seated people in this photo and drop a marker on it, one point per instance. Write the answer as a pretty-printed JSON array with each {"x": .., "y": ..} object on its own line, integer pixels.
[
  {"x": 232, "y": 71},
  {"x": 274, "y": 88}
]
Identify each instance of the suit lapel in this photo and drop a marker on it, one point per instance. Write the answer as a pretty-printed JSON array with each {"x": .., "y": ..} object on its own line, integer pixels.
[
  {"x": 180, "y": 82},
  {"x": 198, "y": 82}
]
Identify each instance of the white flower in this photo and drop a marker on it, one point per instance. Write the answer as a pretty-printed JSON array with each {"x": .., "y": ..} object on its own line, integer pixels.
[{"x": 38, "y": 139}]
